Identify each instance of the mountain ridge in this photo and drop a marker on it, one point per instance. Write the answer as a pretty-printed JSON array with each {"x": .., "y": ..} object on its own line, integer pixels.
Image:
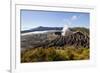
[{"x": 41, "y": 28}]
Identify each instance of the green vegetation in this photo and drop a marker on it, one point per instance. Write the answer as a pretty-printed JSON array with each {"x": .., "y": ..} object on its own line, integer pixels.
[
  {"x": 82, "y": 29},
  {"x": 54, "y": 54}
]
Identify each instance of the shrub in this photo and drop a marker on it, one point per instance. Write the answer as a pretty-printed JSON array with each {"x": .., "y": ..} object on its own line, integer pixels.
[{"x": 54, "y": 54}]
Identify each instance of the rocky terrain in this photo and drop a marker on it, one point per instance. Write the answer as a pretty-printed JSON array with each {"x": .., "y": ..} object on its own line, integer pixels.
[{"x": 77, "y": 39}]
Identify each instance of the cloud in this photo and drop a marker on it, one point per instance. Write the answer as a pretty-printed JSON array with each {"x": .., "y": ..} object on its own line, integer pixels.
[
  {"x": 74, "y": 17},
  {"x": 69, "y": 21}
]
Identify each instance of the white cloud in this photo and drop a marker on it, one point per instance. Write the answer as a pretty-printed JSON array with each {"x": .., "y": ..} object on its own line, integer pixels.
[
  {"x": 69, "y": 21},
  {"x": 74, "y": 17}
]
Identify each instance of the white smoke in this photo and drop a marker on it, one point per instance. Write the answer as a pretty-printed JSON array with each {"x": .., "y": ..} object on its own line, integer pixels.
[{"x": 64, "y": 30}]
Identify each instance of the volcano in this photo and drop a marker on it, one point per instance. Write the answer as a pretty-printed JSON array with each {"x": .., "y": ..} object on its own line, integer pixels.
[{"x": 77, "y": 39}]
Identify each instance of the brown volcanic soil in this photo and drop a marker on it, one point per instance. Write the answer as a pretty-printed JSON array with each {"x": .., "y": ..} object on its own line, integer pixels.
[{"x": 77, "y": 39}]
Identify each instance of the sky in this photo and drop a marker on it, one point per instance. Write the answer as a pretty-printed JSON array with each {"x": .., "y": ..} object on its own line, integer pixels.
[{"x": 32, "y": 19}]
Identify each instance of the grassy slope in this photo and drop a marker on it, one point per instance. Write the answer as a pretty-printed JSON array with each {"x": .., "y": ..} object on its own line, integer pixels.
[{"x": 54, "y": 54}]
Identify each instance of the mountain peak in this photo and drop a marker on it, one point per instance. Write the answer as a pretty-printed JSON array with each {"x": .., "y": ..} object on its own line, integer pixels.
[{"x": 39, "y": 26}]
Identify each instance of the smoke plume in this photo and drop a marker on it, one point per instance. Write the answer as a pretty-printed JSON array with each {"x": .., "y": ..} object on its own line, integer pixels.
[{"x": 64, "y": 30}]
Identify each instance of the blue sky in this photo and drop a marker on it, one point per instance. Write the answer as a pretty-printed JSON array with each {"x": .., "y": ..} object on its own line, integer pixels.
[{"x": 32, "y": 19}]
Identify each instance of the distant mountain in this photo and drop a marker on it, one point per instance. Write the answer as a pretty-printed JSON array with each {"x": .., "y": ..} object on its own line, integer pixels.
[{"x": 41, "y": 28}]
